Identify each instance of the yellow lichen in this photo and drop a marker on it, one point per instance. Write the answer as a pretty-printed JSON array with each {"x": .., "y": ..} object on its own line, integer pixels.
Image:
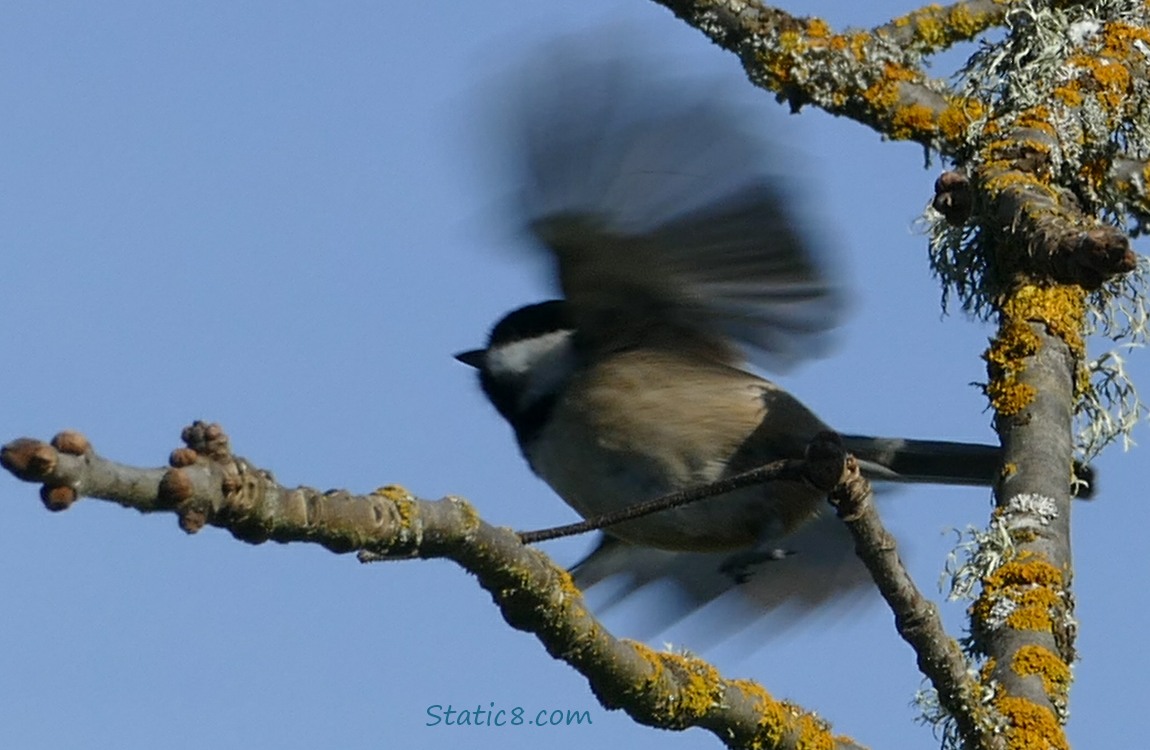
[
  {"x": 681, "y": 688},
  {"x": 1095, "y": 172},
  {"x": 817, "y": 28},
  {"x": 935, "y": 27},
  {"x": 986, "y": 673},
  {"x": 1030, "y": 726},
  {"x": 1023, "y": 536},
  {"x": 814, "y": 734},
  {"x": 1037, "y": 117},
  {"x": 955, "y": 120},
  {"x": 1107, "y": 73},
  {"x": 393, "y": 492},
  {"x": 1007, "y": 359},
  {"x": 781, "y": 718},
  {"x": 859, "y": 41},
  {"x": 1003, "y": 176},
  {"x": 1032, "y": 586},
  {"x": 700, "y": 684},
  {"x": 404, "y": 503},
  {"x": 1034, "y": 608},
  {"x": 1120, "y": 38},
  {"x": 1061, "y": 308},
  {"x": 1111, "y": 80},
  {"x": 792, "y": 41},
  {"x": 907, "y": 122},
  {"x": 963, "y": 24},
  {"x": 652, "y": 657},
  {"x": 1110, "y": 74},
  {"x": 1009, "y": 397},
  {"x": 1069, "y": 94},
  {"x": 930, "y": 31},
  {"x": 775, "y": 718},
  {"x": 1026, "y": 569},
  {"x": 1041, "y": 662},
  {"x": 883, "y": 94},
  {"x": 567, "y": 587}
]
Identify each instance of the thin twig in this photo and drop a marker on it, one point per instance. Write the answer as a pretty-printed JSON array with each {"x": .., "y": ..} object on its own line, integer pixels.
[{"x": 778, "y": 470}]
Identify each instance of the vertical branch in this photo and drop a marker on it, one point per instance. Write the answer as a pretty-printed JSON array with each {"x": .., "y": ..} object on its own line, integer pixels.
[{"x": 1023, "y": 620}]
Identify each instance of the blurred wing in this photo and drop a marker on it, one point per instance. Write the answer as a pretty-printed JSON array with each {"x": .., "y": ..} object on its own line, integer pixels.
[
  {"x": 656, "y": 201},
  {"x": 821, "y": 574}
]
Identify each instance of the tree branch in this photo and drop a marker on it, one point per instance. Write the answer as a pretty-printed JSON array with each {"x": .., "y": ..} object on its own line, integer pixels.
[
  {"x": 1023, "y": 619},
  {"x": 939, "y": 657},
  {"x": 208, "y": 485},
  {"x": 868, "y": 76},
  {"x": 934, "y": 28},
  {"x": 1059, "y": 241},
  {"x": 876, "y": 78}
]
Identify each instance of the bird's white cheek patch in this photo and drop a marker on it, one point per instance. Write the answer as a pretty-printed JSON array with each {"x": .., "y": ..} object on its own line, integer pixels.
[{"x": 543, "y": 362}]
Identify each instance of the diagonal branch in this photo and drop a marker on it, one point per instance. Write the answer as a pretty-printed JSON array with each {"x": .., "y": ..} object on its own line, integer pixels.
[
  {"x": 207, "y": 484},
  {"x": 940, "y": 658},
  {"x": 933, "y": 28},
  {"x": 867, "y": 76}
]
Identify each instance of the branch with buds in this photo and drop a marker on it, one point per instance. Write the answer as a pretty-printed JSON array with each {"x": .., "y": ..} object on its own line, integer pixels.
[{"x": 206, "y": 484}]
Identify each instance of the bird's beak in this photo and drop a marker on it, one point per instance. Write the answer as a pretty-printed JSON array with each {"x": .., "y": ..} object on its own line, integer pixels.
[{"x": 474, "y": 358}]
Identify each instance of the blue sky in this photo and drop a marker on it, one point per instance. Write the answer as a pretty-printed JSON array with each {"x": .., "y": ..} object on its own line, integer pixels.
[{"x": 283, "y": 217}]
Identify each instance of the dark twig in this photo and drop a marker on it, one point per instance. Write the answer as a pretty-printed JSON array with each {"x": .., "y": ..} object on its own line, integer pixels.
[{"x": 775, "y": 471}]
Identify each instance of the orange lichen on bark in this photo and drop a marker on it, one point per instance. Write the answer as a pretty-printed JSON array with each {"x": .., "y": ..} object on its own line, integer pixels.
[
  {"x": 1027, "y": 569},
  {"x": 695, "y": 689},
  {"x": 912, "y": 120},
  {"x": 1037, "y": 117},
  {"x": 1007, "y": 359},
  {"x": 1106, "y": 74},
  {"x": 936, "y": 27},
  {"x": 956, "y": 119},
  {"x": 1119, "y": 37},
  {"x": 884, "y": 93},
  {"x": 1000, "y": 159},
  {"x": 986, "y": 672},
  {"x": 781, "y": 718},
  {"x": 817, "y": 28},
  {"x": 1034, "y": 660},
  {"x": 1030, "y": 726},
  {"x": 1034, "y": 612},
  {"x": 1110, "y": 80},
  {"x": 698, "y": 688},
  {"x": 1069, "y": 94},
  {"x": 1026, "y": 593},
  {"x": 1033, "y": 589},
  {"x": 1061, "y": 309}
]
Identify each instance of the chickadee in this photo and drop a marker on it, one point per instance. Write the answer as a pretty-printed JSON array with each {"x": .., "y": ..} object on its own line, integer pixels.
[{"x": 676, "y": 252}]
